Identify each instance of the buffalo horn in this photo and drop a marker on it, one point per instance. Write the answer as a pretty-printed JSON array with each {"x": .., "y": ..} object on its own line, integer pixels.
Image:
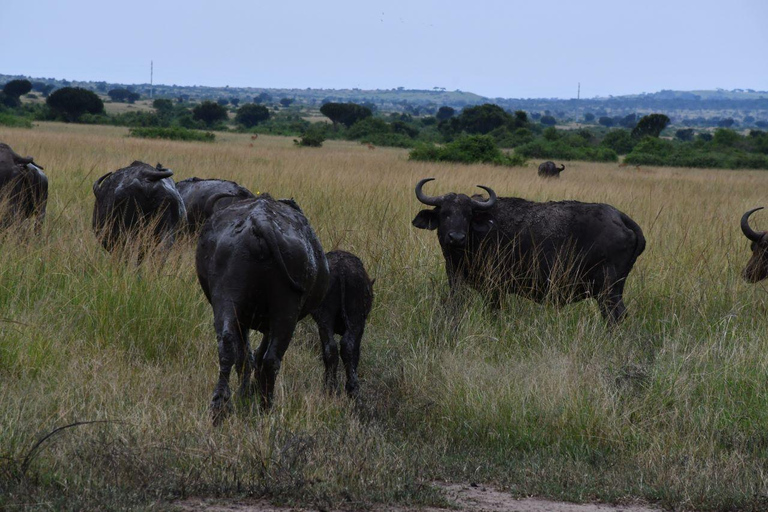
[
  {"x": 748, "y": 231},
  {"x": 485, "y": 205},
  {"x": 431, "y": 201}
]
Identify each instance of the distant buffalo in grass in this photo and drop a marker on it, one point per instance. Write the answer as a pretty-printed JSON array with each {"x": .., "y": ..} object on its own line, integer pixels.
[
  {"x": 203, "y": 197},
  {"x": 550, "y": 170},
  {"x": 137, "y": 201},
  {"x": 563, "y": 251},
  {"x": 23, "y": 189}
]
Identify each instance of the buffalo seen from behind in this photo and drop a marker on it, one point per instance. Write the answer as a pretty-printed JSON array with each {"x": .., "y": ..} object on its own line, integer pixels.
[
  {"x": 23, "y": 189},
  {"x": 344, "y": 311},
  {"x": 261, "y": 267},
  {"x": 562, "y": 251},
  {"x": 203, "y": 197},
  {"x": 550, "y": 170},
  {"x": 132, "y": 200},
  {"x": 757, "y": 266}
]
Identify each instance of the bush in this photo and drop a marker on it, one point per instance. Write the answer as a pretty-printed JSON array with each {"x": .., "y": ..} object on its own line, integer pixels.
[
  {"x": 312, "y": 138},
  {"x": 14, "y": 121},
  {"x": 567, "y": 148},
  {"x": 548, "y": 120},
  {"x": 15, "y": 88},
  {"x": 209, "y": 113},
  {"x": 345, "y": 113},
  {"x": 174, "y": 133},
  {"x": 618, "y": 140},
  {"x": 71, "y": 103},
  {"x": 650, "y": 126},
  {"x": 250, "y": 114},
  {"x": 685, "y": 135},
  {"x": 469, "y": 149}
]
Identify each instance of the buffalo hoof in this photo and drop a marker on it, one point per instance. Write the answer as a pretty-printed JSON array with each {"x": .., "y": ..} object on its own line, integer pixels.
[{"x": 221, "y": 407}]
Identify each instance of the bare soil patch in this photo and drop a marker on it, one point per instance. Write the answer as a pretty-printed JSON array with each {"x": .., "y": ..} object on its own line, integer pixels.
[{"x": 464, "y": 497}]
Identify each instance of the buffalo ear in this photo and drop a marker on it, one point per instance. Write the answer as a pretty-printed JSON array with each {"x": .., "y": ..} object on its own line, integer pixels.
[
  {"x": 426, "y": 219},
  {"x": 482, "y": 222}
]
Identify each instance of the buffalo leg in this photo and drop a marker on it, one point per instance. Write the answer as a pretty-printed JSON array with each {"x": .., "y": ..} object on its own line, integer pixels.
[
  {"x": 330, "y": 354},
  {"x": 611, "y": 304},
  {"x": 228, "y": 334},
  {"x": 350, "y": 354},
  {"x": 280, "y": 333}
]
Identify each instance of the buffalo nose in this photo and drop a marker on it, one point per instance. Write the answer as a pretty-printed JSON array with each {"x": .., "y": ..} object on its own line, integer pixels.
[{"x": 457, "y": 238}]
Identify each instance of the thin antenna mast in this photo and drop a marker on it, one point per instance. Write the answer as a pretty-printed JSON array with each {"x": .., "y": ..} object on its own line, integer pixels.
[
  {"x": 151, "y": 79},
  {"x": 578, "y": 92}
]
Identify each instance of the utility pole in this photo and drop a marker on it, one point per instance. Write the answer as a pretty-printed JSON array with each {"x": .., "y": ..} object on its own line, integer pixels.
[
  {"x": 151, "y": 79},
  {"x": 578, "y": 92}
]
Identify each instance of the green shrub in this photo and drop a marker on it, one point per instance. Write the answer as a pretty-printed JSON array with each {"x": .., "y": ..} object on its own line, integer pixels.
[
  {"x": 618, "y": 140},
  {"x": 174, "y": 133},
  {"x": 14, "y": 121},
  {"x": 468, "y": 149},
  {"x": 313, "y": 138},
  {"x": 571, "y": 147}
]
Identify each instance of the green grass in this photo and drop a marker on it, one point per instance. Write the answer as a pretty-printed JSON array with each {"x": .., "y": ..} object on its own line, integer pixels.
[{"x": 669, "y": 408}]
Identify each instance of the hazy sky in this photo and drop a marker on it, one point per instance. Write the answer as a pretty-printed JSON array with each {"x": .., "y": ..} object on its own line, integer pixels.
[{"x": 494, "y": 48}]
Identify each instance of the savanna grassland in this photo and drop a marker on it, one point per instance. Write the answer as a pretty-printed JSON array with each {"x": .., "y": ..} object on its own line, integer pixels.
[{"x": 670, "y": 408}]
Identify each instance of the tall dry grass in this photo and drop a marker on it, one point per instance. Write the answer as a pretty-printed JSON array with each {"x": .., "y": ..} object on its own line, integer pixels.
[{"x": 671, "y": 407}]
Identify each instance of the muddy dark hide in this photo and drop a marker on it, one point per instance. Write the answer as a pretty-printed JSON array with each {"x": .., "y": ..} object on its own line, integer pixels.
[
  {"x": 137, "y": 202},
  {"x": 23, "y": 189},
  {"x": 757, "y": 267},
  {"x": 344, "y": 311},
  {"x": 261, "y": 267},
  {"x": 550, "y": 170},
  {"x": 203, "y": 197},
  {"x": 562, "y": 251}
]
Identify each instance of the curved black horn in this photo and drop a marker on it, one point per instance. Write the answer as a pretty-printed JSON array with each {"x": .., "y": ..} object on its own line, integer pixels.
[
  {"x": 431, "y": 201},
  {"x": 748, "y": 231},
  {"x": 484, "y": 205},
  {"x": 562, "y": 167}
]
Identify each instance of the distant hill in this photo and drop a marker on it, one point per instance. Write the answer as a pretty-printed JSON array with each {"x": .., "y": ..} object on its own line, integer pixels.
[{"x": 678, "y": 104}]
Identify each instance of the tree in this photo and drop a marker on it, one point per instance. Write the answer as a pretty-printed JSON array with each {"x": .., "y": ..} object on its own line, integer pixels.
[
  {"x": 629, "y": 121},
  {"x": 72, "y": 102},
  {"x": 250, "y": 114},
  {"x": 15, "y": 88},
  {"x": 234, "y": 101},
  {"x": 606, "y": 121},
  {"x": 345, "y": 113},
  {"x": 548, "y": 120},
  {"x": 685, "y": 135},
  {"x": 162, "y": 105},
  {"x": 726, "y": 123},
  {"x": 444, "y": 113},
  {"x": 209, "y": 113},
  {"x": 122, "y": 95},
  {"x": 589, "y": 117},
  {"x": 618, "y": 140},
  {"x": 262, "y": 98},
  {"x": 761, "y": 124},
  {"x": 484, "y": 118},
  {"x": 749, "y": 119},
  {"x": 286, "y": 102},
  {"x": 223, "y": 102},
  {"x": 650, "y": 126}
]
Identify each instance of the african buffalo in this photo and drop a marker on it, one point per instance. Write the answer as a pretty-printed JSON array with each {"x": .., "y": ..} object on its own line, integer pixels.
[
  {"x": 261, "y": 267},
  {"x": 757, "y": 267},
  {"x": 23, "y": 188},
  {"x": 135, "y": 198},
  {"x": 561, "y": 251},
  {"x": 344, "y": 311},
  {"x": 550, "y": 170},
  {"x": 202, "y": 197}
]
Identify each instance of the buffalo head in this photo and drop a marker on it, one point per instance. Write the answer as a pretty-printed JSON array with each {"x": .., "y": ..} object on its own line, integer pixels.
[
  {"x": 757, "y": 268},
  {"x": 455, "y": 216}
]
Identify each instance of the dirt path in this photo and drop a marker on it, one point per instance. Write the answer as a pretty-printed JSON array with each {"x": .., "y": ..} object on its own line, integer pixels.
[{"x": 468, "y": 498}]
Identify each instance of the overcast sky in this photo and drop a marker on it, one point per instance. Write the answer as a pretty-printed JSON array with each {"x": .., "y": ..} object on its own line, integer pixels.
[{"x": 493, "y": 48}]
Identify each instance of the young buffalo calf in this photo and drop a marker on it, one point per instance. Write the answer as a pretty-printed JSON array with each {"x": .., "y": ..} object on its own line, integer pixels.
[{"x": 344, "y": 311}]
